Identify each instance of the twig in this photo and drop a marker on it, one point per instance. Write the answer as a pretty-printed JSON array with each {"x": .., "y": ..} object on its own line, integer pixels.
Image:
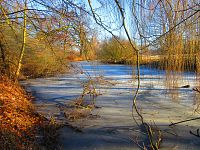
[
  {"x": 184, "y": 121},
  {"x": 196, "y": 89},
  {"x": 100, "y": 23},
  {"x": 197, "y": 134}
]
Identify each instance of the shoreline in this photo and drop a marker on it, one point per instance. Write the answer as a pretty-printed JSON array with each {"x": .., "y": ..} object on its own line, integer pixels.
[{"x": 21, "y": 126}]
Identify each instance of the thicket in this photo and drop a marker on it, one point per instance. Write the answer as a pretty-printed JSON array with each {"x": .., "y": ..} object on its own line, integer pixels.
[
  {"x": 40, "y": 58},
  {"x": 116, "y": 50},
  {"x": 179, "y": 44},
  {"x": 37, "y": 42}
]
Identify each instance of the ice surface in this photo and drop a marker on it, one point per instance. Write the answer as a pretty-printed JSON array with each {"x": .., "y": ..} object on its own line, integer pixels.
[{"x": 115, "y": 128}]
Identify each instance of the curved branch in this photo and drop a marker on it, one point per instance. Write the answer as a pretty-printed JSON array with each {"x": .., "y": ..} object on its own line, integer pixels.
[
  {"x": 99, "y": 22},
  {"x": 134, "y": 104}
]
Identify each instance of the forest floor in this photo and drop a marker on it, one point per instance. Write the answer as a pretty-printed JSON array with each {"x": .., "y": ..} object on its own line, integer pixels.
[{"x": 21, "y": 127}]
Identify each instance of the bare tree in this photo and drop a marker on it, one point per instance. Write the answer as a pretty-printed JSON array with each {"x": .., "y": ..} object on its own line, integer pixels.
[{"x": 23, "y": 43}]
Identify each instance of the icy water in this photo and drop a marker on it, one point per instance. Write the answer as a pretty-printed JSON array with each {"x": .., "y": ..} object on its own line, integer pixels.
[{"x": 114, "y": 128}]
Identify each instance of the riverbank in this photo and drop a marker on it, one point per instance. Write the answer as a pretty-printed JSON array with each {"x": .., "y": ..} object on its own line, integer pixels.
[
  {"x": 160, "y": 62},
  {"x": 143, "y": 60},
  {"x": 21, "y": 127}
]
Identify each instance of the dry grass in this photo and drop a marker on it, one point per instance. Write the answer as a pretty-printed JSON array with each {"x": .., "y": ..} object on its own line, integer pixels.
[
  {"x": 77, "y": 110},
  {"x": 77, "y": 113},
  {"x": 18, "y": 122}
]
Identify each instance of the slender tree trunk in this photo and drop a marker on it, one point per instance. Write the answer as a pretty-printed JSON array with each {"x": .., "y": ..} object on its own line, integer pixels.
[
  {"x": 23, "y": 45},
  {"x": 3, "y": 58}
]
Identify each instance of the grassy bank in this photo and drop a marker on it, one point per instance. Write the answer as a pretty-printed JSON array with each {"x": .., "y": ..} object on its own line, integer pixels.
[{"x": 20, "y": 125}]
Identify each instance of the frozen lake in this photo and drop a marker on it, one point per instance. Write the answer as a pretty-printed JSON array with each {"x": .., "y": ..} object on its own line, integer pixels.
[{"x": 115, "y": 129}]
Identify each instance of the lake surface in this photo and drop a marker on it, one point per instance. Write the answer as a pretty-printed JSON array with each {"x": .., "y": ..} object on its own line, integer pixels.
[{"x": 115, "y": 128}]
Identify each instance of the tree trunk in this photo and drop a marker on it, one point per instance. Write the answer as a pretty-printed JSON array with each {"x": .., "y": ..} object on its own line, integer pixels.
[
  {"x": 3, "y": 58},
  {"x": 23, "y": 45}
]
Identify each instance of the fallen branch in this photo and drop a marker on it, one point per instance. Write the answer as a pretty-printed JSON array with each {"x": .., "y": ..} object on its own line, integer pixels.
[
  {"x": 196, "y": 89},
  {"x": 197, "y": 134},
  {"x": 184, "y": 121}
]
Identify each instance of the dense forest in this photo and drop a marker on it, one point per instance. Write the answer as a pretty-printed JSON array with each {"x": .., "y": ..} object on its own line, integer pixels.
[{"x": 40, "y": 38}]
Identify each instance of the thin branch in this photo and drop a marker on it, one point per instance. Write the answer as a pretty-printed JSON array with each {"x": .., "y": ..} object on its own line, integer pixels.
[
  {"x": 100, "y": 23},
  {"x": 124, "y": 25},
  {"x": 187, "y": 120},
  {"x": 134, "y": 104},
  {"x": 197, "y": 134},
  {"x": 22, "y": 10},
  {"x": 196, "y": 89},
  {"x": 171, "y": 29},
  {"x": 8, "y": 21}
]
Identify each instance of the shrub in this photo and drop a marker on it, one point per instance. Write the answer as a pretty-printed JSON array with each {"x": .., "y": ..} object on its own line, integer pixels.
[{"x": 116, "y": 51}]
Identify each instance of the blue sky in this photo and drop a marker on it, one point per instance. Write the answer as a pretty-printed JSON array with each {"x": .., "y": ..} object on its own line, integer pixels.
[{"x": 107, "y": 17}]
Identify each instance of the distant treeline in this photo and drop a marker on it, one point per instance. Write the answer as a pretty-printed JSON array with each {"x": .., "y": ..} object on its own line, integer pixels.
[{"x": 183, "y": 55}]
